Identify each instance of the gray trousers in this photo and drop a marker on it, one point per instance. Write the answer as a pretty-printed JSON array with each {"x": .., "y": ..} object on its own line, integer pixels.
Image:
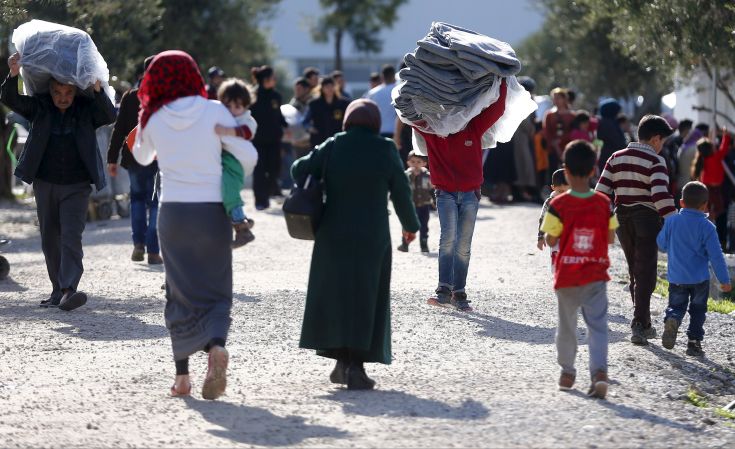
[
  {"x": 592, "y": 299},
  {"x": 62, "y": 213}
]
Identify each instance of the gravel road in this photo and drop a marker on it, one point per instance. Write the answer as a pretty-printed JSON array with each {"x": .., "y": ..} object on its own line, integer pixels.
[{"x": 99, "y": 376}]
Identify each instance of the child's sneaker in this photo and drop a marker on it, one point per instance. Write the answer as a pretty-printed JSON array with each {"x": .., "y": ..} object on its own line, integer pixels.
[
  {"x": 566, "y": 381},
  {"x": 442, "y": 298},
  {"x": 598, "y": 387},
  {"x": 459, "y": 301},
  {"x": 694, "y": 348},
  {"x": 671, "y": 329},
  {"x": 243, "y": 235},
  {"x": 403, "y": 247},
  {"x": 424, "y": 246}
]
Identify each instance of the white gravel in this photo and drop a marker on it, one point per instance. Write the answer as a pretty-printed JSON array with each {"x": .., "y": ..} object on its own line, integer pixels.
[{"x": 99, "y": 376}]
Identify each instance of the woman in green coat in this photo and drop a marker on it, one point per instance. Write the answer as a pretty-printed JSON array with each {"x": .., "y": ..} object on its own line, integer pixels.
[{"x": 347, "y": 314}]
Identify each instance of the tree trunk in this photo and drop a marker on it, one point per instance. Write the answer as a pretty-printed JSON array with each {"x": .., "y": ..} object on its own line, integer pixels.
[{"x": 338, "y": 49}]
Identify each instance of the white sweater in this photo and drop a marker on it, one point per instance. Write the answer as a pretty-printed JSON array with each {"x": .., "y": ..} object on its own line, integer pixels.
[{"x": 181, "y": 136}]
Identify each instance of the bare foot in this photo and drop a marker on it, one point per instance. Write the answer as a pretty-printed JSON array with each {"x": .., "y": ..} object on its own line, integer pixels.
[
  {"x": 182, "y": 386},
  {"x": 216, "y": 380}
]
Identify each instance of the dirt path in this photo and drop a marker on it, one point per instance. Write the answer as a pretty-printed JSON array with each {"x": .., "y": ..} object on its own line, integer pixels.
[{"x": 99, "y": 376}]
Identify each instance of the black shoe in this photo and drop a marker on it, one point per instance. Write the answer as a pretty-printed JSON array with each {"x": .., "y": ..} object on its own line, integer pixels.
[
  {"x": 50, "y": 303},
  {"x": 357, "y": 379},
  {"x": 138, "y": 253},
  {"x": 72, "y": 300},
  {"x": 339, "y": 373},
  {"x": 459, "y": 301},
  {"x": 638, "y": 336},
  {"x": 649, "y": 332},
  {"x": 671, "y": 329},
  {"x": 424, "y": 246},
  {"x": 694, "y": 348},
  {"x": 403, "y": 247}
]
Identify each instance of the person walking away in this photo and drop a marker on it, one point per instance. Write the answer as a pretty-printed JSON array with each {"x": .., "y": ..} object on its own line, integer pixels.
[
  {"x": 422, "y": 191},
  {"x": 267, "y": 113},
  {"x": 557, "y": 124},
  {"x": 347, "y": 315},
  {"x": 687, "y": 153},
  {"x": 177, "y": 126},
  {"x": 708, "y": 168},
  {"x": 671, "y": 149},
  {"x": 234, "y": 94},
  {"x": 609, "y": 132},
  {"x": 559, "y": 185},
  {"x": 339, "y": 81},
  {"x": 691, "y": 242},
  {"x": 581, "y": 127},
  {"x": 325, "y": 114},
  {"x": 581, "y": 222},
  {"x": 381, "y": 95},
  {"x": 216, "y": 77},
  {"x": 61, "y": 160},
  {"x": 637, "y": 179},
  {"x": 143, "y": 199},
  {"x": 524, "y": 187},
  {"x": 374, "y": 80},
  {"x": 301, "y": 142},
  {"x": 457, "y": 176}
]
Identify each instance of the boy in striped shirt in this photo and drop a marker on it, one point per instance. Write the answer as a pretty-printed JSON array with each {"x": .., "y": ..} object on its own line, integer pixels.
[{"x": 638, "y": 180}]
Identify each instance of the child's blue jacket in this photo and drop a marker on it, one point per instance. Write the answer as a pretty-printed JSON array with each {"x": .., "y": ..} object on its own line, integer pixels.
[{"x": 691, "y": 241}]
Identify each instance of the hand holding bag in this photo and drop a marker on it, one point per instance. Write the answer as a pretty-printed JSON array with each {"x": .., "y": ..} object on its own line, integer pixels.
[{"x": 304, "y": 206}]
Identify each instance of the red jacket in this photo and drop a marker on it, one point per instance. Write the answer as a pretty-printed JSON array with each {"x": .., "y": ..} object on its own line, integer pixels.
[
  {"x": 455, "y": 161},
  {"x": 713, "y": 173}
]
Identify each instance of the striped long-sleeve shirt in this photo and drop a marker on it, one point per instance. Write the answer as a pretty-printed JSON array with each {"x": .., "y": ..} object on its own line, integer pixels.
[{"x": 638, "y": 176}]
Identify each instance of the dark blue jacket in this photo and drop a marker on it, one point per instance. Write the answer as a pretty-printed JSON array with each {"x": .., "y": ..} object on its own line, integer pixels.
[
  {"x": 691, "y": 241},
  {"x": 90, "y": 114}
]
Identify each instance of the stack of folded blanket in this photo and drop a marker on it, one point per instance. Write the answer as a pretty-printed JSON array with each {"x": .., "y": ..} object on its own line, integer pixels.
[{"x": 452, "y": 76}]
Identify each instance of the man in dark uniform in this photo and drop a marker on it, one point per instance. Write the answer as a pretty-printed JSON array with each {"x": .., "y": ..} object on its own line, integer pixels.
[
  {"x": 216, "y": 76},
  {"x": 61, "y": 160}
]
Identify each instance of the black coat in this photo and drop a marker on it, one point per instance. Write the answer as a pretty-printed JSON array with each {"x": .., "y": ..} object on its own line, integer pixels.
[
  {"x": 267, "y": 113},
  {"x": 127, "y": 119},
  {"x": 326, "y": 118},
  {"x": 90, "y": 114}
]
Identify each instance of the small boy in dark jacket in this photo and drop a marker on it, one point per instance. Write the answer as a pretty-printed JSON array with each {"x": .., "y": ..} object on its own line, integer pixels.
[
  {"x": 691, "y": 241},
  {"x": 423, "y": 197}
]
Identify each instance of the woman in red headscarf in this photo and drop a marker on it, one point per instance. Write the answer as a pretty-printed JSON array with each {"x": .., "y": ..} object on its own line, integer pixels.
[
  {"x": 347, "y": 314},
  {"x": 177, "y": 127}
]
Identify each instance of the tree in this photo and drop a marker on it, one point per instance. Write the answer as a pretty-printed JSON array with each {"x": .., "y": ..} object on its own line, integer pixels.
[
  {"x": 677, "y": 38},
  {"x": 575, "y": 49},
  {"x": 362, "y": 20}
]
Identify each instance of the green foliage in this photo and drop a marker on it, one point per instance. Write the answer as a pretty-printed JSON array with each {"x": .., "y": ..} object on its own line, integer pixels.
[
  {"x": 575, "y": 48},
  {"x": 362, "y": 20},
  {"x": 724, "y": 306},
  {"x": 215, "y": 32},
  {"x": 695, "y": 398},
  {"x": 724, "y": 413}
]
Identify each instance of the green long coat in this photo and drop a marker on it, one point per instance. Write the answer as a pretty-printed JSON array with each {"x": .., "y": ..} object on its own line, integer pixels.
[{"x": 348, "y": 299}]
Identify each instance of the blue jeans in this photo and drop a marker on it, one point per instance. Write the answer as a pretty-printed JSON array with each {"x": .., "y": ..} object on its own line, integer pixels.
[
  {"x": 457, "y": 215},
  {"x": 694, "y": 296},
  {"x": 144, "y": 207}
]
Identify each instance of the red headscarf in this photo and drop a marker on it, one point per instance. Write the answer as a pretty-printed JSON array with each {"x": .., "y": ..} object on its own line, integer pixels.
[{"x": 171, "y": 75}]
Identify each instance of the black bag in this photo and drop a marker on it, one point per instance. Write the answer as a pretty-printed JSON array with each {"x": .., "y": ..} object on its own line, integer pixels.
[{"x": 304, "y": 206}]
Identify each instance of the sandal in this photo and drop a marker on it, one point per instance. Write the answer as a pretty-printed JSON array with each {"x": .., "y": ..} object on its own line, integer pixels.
[
  {"x": 216, "y": 380},
  {"x": 176, "y": 393}
]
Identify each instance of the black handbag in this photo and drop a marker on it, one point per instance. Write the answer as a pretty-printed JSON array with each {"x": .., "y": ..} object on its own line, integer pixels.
[{"x": 304, "y": 206}]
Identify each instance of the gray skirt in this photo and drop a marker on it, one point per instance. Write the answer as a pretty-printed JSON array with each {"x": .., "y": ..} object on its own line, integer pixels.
[{"x": 195, "y": 244}]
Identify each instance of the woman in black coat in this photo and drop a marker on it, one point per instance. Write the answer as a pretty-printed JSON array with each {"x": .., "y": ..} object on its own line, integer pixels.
[
  {"x": 325, "y": 114},
  {"x": 267, "y": 113}
]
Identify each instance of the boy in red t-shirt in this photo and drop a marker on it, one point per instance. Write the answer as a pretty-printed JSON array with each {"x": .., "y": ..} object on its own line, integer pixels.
[{"x": 581, "y": 221}]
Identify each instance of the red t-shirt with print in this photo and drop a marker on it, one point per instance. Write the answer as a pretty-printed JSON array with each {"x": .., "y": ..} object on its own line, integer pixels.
[{"x": 583, "y": 222}]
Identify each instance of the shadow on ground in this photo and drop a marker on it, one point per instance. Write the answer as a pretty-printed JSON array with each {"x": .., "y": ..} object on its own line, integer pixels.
[
  {"x": 628, "y": 412},
  {"x": 502, "y": 329},
  {"x": 257, "y": 426},
  {"x": 397, "y": 403},
  {"x": 101, "y": 319}
]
